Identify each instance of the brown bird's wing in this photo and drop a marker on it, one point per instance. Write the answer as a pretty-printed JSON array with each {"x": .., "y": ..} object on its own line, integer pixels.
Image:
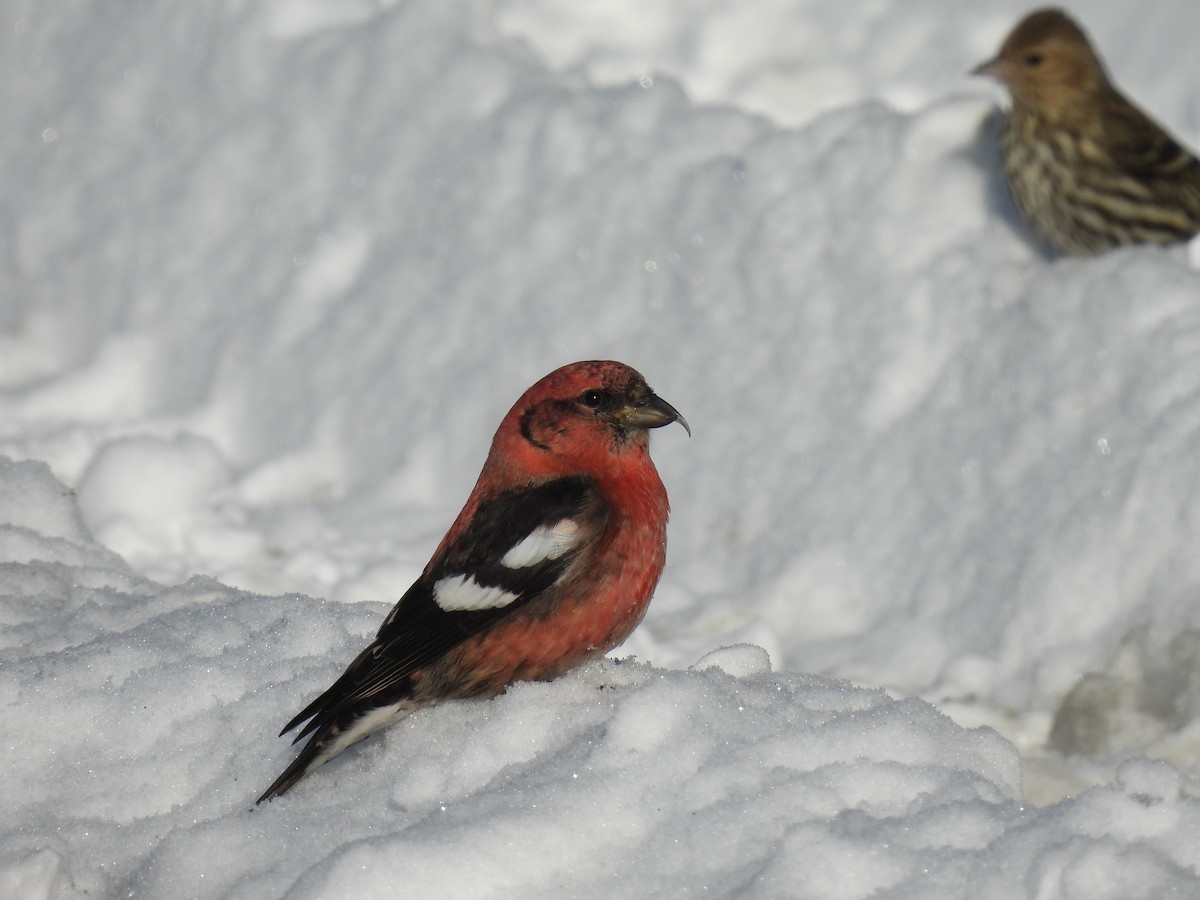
[{"x": 1142, "y": 147}]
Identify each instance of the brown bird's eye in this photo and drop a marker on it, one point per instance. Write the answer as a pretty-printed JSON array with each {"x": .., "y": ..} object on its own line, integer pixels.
[{"x": 1033, "y": 60}]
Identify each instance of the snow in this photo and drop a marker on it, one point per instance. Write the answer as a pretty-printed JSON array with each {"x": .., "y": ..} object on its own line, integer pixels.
[{"x": 273, "y": 273}]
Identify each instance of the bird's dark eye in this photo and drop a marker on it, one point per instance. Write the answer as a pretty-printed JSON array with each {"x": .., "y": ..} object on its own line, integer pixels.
[
  {"x": 593, "y": 399},
  {"x": 1033, "y": 60}
]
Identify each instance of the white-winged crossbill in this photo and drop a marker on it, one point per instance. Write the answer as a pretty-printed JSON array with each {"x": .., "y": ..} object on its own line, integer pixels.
[{"x": 551, "y": 562}]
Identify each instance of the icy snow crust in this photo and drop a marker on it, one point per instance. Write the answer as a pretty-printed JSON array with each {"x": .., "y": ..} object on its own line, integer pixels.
[{"x": 273, "y": 273}]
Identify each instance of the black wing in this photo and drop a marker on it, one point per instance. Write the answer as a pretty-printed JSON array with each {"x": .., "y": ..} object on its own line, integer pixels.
[{"x": 419, "y": 630}]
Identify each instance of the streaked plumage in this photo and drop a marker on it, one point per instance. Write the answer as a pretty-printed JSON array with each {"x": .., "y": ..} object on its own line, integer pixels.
[{"x": 1087, "y": 169}]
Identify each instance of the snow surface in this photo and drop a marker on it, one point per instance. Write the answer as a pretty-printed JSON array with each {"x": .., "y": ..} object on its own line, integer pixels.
[{"x": 273, "y": 272}]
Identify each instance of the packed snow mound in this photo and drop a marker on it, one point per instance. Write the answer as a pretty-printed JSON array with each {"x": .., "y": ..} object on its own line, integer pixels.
[{"x": 145, "y": 719}]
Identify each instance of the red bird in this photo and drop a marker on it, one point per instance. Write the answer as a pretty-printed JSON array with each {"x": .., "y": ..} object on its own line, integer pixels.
[{"x": 551, "y": 562}]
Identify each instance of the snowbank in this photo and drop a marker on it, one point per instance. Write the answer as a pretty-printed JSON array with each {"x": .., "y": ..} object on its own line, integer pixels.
[{"x": 273, "y": 274}]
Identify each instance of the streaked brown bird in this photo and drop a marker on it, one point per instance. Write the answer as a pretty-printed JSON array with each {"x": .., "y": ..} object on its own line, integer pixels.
[{"x": 1087, "y": 169}]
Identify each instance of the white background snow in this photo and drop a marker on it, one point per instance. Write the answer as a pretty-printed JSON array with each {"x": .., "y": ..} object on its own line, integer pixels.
[{"x": 273, "y": 271}]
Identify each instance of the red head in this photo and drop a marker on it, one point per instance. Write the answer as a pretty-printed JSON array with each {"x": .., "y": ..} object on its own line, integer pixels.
[{"x": 587, "y": 418}]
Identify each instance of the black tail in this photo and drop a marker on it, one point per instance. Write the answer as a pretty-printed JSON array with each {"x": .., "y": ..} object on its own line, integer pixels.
[
  {"x": 333, "y": 735},
  {"x": 372, "y": 692},
  {"x": 301, "y": 766}
]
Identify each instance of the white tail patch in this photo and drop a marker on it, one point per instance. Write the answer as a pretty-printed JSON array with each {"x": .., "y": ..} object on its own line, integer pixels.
[
  {"x": 543, "y": 543},
  {"x": 462, "y": 593},
  {"x": 360, "y": 728}
]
